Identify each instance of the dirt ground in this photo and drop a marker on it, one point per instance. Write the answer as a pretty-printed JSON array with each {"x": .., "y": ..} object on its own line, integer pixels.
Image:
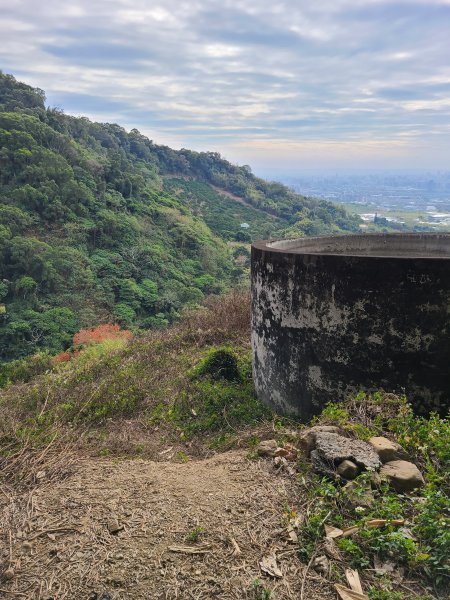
[{"x": 59, "y": 540}]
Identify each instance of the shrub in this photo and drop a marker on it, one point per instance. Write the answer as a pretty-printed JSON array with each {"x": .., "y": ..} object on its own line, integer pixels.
[
  {"x": 25, "y": 369},
  {"x": 62, "y": 357},
  {"x": 220, "y": 364},
  {"x": 101, "y": 333}
]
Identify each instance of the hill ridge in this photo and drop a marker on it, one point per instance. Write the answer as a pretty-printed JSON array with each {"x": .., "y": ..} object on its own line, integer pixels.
[{"x": 92, "y": 231}]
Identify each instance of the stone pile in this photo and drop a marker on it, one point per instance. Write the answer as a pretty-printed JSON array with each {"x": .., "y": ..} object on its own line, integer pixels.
[{"x": 334, "y": 454}]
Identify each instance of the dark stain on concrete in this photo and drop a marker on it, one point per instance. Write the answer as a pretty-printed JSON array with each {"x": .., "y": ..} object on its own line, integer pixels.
[{"x": 333, "y": 316}]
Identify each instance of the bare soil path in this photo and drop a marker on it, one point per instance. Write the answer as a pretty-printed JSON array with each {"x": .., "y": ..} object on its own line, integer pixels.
[{"x": 59, "y": 540}]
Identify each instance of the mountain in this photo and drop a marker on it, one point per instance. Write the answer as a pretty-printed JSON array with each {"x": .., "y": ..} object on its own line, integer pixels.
[{"x": 101, "y": 225}]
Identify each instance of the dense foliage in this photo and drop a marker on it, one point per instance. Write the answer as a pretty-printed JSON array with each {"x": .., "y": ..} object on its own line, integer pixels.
[{"x": 98, "y": 225}]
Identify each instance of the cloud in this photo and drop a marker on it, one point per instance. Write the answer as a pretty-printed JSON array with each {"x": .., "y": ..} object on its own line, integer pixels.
[{"x": 236, "y": 75}]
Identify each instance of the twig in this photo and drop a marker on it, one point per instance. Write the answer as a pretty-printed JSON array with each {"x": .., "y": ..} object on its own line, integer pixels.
[
  {"x": 189, "y": 549},
  {"x": 305, "y": 574},
  {"x": 10, "y": 548},
  {"x": 14, "y": 593},
  {"x": 45, "y": 403},
  {"x": 54, "y": 530}
]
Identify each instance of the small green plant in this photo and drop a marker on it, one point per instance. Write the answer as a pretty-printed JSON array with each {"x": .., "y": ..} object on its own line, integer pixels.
[
  {"x": 422, "y": 546},
  {"x": 194, "y": 535},
  {"x": 333, "y": 413},
  {"x": 260, "y": 592},
  {"x": 354, "y": 553},
  {"x": 253, "y": 441},
  {"x": 379, "y": 594},
  {"x": 182, "y": 457}
]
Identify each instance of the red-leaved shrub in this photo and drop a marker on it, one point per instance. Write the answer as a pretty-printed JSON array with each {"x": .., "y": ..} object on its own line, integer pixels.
[
  {"x": 62, "y": 357},
  {"x": 96, "y": 335}
]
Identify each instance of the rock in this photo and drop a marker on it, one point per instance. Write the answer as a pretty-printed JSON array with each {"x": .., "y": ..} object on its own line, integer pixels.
[
  {"x": 321, "y": 564},
  {"x": 114, "y": 526},
  {"x": 281, "y": 452},
  {"x": 267, "y": 448},
  {"x": 386, "y": 449},
  {"x": 334, "y": 449},
  {"x": 404, "y": 476},
  {"x": 307, "y": 437},
  {"x": 289, "y": 451},
  {"x": 322, "y": 466},
  {"x": 348, "y": 469},
  {"x": 9, "y": 574}
]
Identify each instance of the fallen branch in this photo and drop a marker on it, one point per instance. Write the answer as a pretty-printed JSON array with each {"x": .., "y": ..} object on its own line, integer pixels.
[{"x": 190, "y": 549}]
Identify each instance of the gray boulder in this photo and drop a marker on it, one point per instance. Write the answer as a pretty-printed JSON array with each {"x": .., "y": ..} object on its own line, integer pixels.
[
  {"x": 331, "y": 449},
  {"x": 307, "y": 437}
]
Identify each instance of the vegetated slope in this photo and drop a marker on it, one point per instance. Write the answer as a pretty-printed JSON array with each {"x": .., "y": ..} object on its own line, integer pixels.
[
  {"x": 130, "y": 398},
  {"x": 89, "y": 231}
]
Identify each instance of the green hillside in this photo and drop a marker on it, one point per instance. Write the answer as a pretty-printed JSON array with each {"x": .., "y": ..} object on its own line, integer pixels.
[{"x": 99, "y": 225}]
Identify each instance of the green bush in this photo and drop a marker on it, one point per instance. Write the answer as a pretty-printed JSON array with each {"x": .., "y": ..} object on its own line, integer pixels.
[
  {"x": 220, "y": 364},
  {"x": 25, "y": 369}
]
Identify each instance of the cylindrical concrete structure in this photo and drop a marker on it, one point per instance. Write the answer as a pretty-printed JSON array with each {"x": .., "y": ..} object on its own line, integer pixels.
[{"x": 335, "y": 315}]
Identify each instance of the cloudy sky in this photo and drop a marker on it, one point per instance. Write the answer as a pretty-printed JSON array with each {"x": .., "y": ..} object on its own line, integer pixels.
[{"x": 284, "y": 85}]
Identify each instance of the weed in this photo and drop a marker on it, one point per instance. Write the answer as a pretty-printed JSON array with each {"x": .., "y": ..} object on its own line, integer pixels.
[
  {"x": 334, "y": 414},
  {"x": 207, "y": 405},
  {"x": 260, "y": 592},
  {"x": 253, "y": 441},
  {"x": 182, "y": 457},
  {"x": 222, "y": 441},
  {"x": 194, "y": 535},
  {"x": 379, "y": 594},
  {"x": 311, "y": 532}
]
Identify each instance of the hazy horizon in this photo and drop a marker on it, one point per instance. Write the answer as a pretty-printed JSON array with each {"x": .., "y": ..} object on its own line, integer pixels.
[{"x": 335, "y": 84}]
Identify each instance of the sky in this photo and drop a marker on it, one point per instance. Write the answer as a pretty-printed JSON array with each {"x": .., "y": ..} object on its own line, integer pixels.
[{"x": 284, "y": 86}]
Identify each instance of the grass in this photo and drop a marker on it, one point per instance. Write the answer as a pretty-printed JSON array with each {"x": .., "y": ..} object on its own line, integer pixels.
[
  {"x": 193, "y": 379},
  {"x": 195, "y": 534},
  {"x": 221, "y": 213},
  {"x": 260, "y": 592}
]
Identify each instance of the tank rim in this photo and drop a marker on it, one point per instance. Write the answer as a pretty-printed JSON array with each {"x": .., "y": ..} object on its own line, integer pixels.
[{"x": 389, "y": 238}]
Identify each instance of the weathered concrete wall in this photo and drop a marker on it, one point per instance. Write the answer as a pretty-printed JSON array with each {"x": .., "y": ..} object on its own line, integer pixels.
[{"x": 331, "y": 316}]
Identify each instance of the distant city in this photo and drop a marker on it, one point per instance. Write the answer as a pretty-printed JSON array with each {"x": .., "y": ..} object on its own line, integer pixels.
[{"x": 413, "y": 198}]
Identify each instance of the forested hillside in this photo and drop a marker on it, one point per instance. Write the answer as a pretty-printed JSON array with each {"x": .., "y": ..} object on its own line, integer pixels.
[{"x": 99, "y": 225}]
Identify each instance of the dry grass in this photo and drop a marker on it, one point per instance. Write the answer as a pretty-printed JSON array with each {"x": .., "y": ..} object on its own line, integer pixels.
[{"x": 110, "y": 402}]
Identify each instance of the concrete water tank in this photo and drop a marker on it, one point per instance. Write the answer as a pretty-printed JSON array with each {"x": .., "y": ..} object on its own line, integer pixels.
[{"x": 335, "y": 315}]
